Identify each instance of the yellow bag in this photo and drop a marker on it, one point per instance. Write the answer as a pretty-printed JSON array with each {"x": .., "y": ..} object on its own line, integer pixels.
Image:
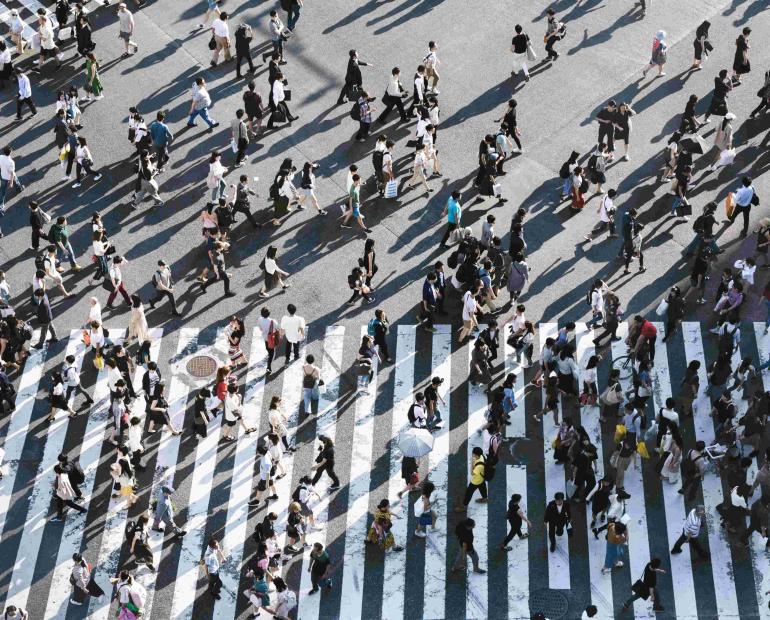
[
  {"x": 64, "y": 152},
  {"x": 556, "y": 442},
  {"x": 729, "y": 204},
  {"x": 98, "y": 361},
  {"x": 641, "y": 450},
  {"x": 620, "y": 432}
]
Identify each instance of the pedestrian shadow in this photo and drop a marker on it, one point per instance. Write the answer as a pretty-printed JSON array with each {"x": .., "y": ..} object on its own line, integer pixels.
[
  {"x": 483, "y": 103},
  {"x": 603, "y": 36}
]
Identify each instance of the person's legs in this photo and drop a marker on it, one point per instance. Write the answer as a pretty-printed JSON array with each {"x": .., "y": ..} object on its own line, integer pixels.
[
  {"x": 677, "y": 548},
  {"x": 204, "y": 114}
]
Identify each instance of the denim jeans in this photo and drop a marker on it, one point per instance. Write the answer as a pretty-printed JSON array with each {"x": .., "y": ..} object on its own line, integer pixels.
[
  {"x": 293, "y": 17},
  {"x": 307, "y": 394},
  {"x": 566, "y": 186},
  {"x": 204, "y": 114},
  {"x": 598, "y": 318},
  {"x": 70, "y": 254},
  {"x": 612, "y": 555},
  {"x": 218, "y": 191},
  {"x": 461, "y": 561},
  {"x": 4, "y": 190}
]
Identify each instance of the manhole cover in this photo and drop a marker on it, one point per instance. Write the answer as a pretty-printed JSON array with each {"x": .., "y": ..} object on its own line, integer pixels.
[
  {"x": 201, "y": 366},
  {"x": 553, "y": 605}
]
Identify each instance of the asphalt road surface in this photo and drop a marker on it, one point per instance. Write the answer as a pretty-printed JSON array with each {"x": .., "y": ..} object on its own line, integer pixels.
[{"x": 602, "y": 57}]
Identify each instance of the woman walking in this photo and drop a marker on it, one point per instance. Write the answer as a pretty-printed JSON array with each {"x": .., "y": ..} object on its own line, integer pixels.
[
  {"x": 516, "y": 517},
  {"x": 311, "y": 379},
  {"x": 272, "y": 274},
  {"x": 140, "y": 542},
  {"x": 64, "y": 494},
  {"x": 307, "y": 187},
  {"x": 764, "y": 97},
  {"x": 659, "y": 54},
  {"x": 157, "y": 410},
  {"x": 325, "y": 462},
  {"x": 577, "y": 188},
  {"x": 425, "y": 510},
  {"x": 234, "y": 332},
  {"x": 623, "y": 127},
  {"x": 137, "y": 322},
  {"x": 741, "y": 63},
  {"x": 215, "y": 181},
  {"x": 82, "y": 580},
  {"x": 84, "y": 161},
  {"x": 93, "y": 83},
  {"x": 57, "y": 398},
  {"x": 278, "y": 420},
  {"x": 701, "y": 45},
  {"x": 380, "y": 532}
]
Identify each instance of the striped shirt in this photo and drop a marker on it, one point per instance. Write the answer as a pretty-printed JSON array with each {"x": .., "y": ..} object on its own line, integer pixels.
[{"x": 692, "y": 524}]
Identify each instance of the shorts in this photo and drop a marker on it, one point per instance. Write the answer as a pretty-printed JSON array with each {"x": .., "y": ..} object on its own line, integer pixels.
[
  {"x": 212, "y": 4},
  {"x": 430, "y": 72},
  {"x": 262, "y": 485},
  {"x": 230, "y": 422},
  {"x": 356, "y": 212},
  {"x": 426, "y": 518},
  {"x": 126, "y": 36},
  {"x": 44, "y": 53},
  {"x": 307, "y": 193},
  {"x": 304, "y": 510}
]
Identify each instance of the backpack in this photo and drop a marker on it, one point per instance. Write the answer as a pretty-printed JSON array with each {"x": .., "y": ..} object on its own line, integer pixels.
[
  {"x": 355, "y": 112},
  {"x": 40, "y": 261},
  {"x": 489, "y": 470},
  {"x": 467, "y": 272},
  {"x": 352, "y": 281},
  {"x": 697, "y": 225},
  {"x": 371, "y": 328},
  {"x": 592, "y": 161},
  {"x": 452, "y": 260},
  {"x": 273, "y": 192},
  {"x": 564, "y": 170},
  {"x": 295, "y": 495},
  {"x": 689, "y": 469},
  {"x": 410, "y": 414},
  {"x": 130, "y": 529}
]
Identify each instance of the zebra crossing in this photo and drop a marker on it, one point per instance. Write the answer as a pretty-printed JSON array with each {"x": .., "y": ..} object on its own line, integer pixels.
[{"x": 214, "y": 480}]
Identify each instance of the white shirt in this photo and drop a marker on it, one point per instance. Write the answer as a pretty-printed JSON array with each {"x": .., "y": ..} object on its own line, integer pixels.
[
  {"x": 419, "y": 415},
  {"x": 277, "y": 422},
  {"x": 670, "y": 415},
  {"x": 211, "y": 558},
  {"x": 25, "y": 90},
  {"x": 221, "y": 29},
  {"x": 431, "y": 60},
  {"x": 517, "y": 324},
  {"x": 393, "y": 87},
  {"x": 265, "y": 463},
  {"x": 5, "y": 57},
  {"x": 293, "y": 328},
  {"x": 607, "y": 206},
  {"x": 469, "y": 306},
  {"x": 419, "y": 85},
  {"x": 232, "y": 406},
  {"x": 97, "y": 337},
  {"x": 46, "y": 35},
  {"x": 276, "y": 453},
  {"x": 113, "y": 376},
  {"x": 71, "y": 375},
  {"x": 115, "y": 274},
  {"x": 82, "y": 153},
  {"x": 7, "y": 167},
  {"x": 278, "y": 94},
  {"x": 134, "y": 437},
  {"x": 597, "y": 301}
]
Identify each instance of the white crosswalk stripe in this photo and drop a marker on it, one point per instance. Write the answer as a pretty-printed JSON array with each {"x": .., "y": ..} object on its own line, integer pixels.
[{"x": 179, "y": 600}]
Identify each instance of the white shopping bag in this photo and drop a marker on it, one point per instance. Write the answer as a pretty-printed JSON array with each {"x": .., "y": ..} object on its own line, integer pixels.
[{"x": 391, "y": 189}]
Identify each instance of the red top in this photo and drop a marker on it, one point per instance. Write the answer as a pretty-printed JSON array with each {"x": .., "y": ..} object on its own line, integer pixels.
[{"x": 648, "y": 330}]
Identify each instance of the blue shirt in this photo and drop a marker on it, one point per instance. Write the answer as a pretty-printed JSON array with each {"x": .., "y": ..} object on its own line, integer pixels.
[
  {"x": 161, "y": 135},
  {"x": 454, "y": 211}
]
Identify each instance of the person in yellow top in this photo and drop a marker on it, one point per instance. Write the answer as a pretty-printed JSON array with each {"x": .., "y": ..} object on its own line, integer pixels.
[{"x": 478, "y": 480}]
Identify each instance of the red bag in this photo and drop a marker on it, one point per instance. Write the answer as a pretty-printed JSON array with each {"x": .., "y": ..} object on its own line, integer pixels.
[{"x": 273, "y": 337}]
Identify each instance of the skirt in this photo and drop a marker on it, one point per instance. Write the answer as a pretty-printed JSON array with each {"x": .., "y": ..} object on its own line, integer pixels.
[{"x": 235, "y": 353}]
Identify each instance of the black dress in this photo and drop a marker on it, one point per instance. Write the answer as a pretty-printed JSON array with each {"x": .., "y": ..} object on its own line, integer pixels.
[{"x": 739, "y": 65}]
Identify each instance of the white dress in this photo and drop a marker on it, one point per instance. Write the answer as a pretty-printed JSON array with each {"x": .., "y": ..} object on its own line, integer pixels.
[{"x": 137, "y": 325}]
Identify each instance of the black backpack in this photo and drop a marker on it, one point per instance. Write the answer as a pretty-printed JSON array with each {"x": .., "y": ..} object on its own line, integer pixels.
[
  {"x": 689, "y": 468},
  {"x": 697, "y": 225},
  {"x": 592, "y": 163},
  {"x": 452, "y": 260},
  {"x": 410, "y": 414},
  {"x": 355, "y": 112},
  {"x": 352, "y": 281},
  {"x": 295, "y": 495},
  {"x": 130, "y": 529}
]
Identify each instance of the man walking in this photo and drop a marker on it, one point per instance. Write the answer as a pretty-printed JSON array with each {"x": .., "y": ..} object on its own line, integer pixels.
[
  {"x": 71, "y": 377},
  {"x": 221, "y": 31},
  {"x": 293, "y": 330},
  {"x": 148, "y": 186},
  {"x": 646, "y": 587},
  {"x": 164, "y": 286},
  {"x": 557, "y": 517},
  {"x": 37, "y": 220},
  {"x": 319, "y": 568},
  {"x": 453, "y": 212},
  {"x": 161, "y": 138},
  {"x": 606, "y": 118},
  {"x": 116, "y": 279},
  {"x": 59, "y": 235},
  {"x": 744, "y": 198},
  {"x": 393, "y": 95},
  {"x": 240, "y": 136},
  {"x": 126, "y": 23},
  {"x": 243, "y": 37},
  {"x": 218, "y": 264},
  {"x": 24, "y": 94},
  {"x": 242, "y": 203},
  {"x": 265, "y": 479},
  {"x": 45, "y": 318},
  {"x": 353, "y": 78},
  {"x": 477, "y": 481},
  {"x": 691, "y": 531},
  {"x": 200, "y": 104},
  {"x": 212, "y": 560},
  {"x": 519, "y": 45},
  {"x": 464, "y": 533},
  {"x": 165, "y": 511},
  {"x": 8, "y": 176}
]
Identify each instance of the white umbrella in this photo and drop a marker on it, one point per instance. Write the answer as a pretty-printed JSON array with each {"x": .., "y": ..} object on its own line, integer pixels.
[{"x": 415, "y": 442}]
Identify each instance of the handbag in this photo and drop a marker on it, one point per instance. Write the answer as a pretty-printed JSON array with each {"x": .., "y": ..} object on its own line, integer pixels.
[
  {"x": 391, "y": 189},
  {"x": 86, "y": 338},
  {"x": 727, "y": 157},
  {"x": 212, "y": 42},
  {"x": 531, "y": 55},
  {"x": 620, "y": 432},
  {"x": 273, "y": 337},
  {"x": 611, "y": 395},
  {"x": 287, "y": 95},
  {"x": 614, "y": 458},
  {"x": 98, "y": 361},
  {"x": 234, "y": 146},
  {"x": 729, "y": 204},
  {"x": 641, "y": 450},
  {"x": 662, "y": 308},
  {"x": 497, "y": 189}
]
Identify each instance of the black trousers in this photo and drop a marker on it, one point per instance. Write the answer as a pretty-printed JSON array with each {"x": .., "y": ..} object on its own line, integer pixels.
[
  {"x": 215, "y": 584},
  {"x": 241, "y": 153},
  {"x": 37, "y": 235},
  {"x": 472, "y": 489},
  {"x": 606, "y": 135},
  {"x": 291, "y": 347},
  {"x": 763, "y": 104},
  {"x": 239, "y": 58},
  {"x": 389, "y": 105},
  {"x": 240, "y": 207},
  {"x": 381, "y": 342},
  {"x": 162, "y": 155},
  {"x": 554, "y": 531},
  {"x": 159, "y": 297},
  {"x": 449, "y": 229},
  {"x": 694, "y": 544},
  {"x": 514, "y": 530},
  {"x": 348, "y": 92},
  {"x": 552, "y": 53},
  {"x": 222, "y": 276},
  {"x": 363, "y": 130},
  {"x": 30, "y": 105},
  {"x": 270, "y": 356},
  {"x": 745, "y": 211},
  {"x": 77, "y": 389},
  {"x": 329, "y": 469}
]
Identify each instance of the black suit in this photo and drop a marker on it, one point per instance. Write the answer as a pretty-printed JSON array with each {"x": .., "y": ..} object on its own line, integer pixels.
[
  {"x": 556, "y": 519},
  {"x": 353, "y": 81}
]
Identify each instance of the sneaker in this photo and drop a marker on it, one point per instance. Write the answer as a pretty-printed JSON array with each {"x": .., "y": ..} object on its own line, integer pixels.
[
  {"x": 479, "y": 571},
  {"x": 66, "y": 178},
  {"x": 76, "y": 185},
  {"x": 345, "y": 226},
  {"x": 420, "y": 534},
  {"x": 97, "y": 177},
  {"x": 74, "y": 602}
]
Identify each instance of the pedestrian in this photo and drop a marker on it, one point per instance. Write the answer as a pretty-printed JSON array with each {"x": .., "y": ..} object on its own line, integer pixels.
[
  {"x": 745, "y": 198},
  {"x": 425, "y": 510},
  {"x": 220, "y": 32},
  {"x": 394, "y": 93},
  {"x": 365, "y": 112},
  {"x": 220, "y": 271},
  {"x": 165, "y": 511},
  {"x": 126, "y": 29},
  {"x": 319, "y": 568},
  {"x": 325, "y": 462},
  {"x": 646, "y": 587},
  {"x": 84, "y": 161},
  {"x": 292, "y": 331},
  {"x": 718, "y": 104},
  {"x": 243, "y": 37},
  {"x": 477, "y": 480},
  {"x": 71, "y": 376},
  {"x": 701, "y": 45},
  {"x": 45, "y": 318},
  {"x": 557, "y": 517},
  {"x": 270, "y": 331},
  {"x": 277, "y": 35},
  {"x": 212, "y": 8},
  {"x": 137, "y": 322},
  {"x": 139, "y": 536},
  {"x": 464, "y": 534},
  {"x": 156, "y": 403},
  {"x": 59, "y": 234},
  {"x": 281, "y": 112},
  {"x": 82, "y": 580},
  {"x": 202, "y": 415},
  {"x": 764, "y": 96},
  {"x": 47, "y": 43},
  {"x": 617, "y": 537},
  {"x": 674, "y": 312},
  {"x": 116, "y": 281},
  {"x": 147, "y": 185},
  {"x": 83, "y": 34},
  {"x": 741, "y": 63},
  {"x": 63, "y": 494},
  {"x": 520, "y": 46},
  {"x": 239, "y": 137},
  {"x": 8, "y": 177},
  {"x": 130, "y": 593},
  {"x": 608, "y": 118},
  {"x": 307, "y": 187},
  {"x": 354, "y": 204},
  {"x": 201, "y": 101},
  {"x": 164, "y": 287},
  {"x": 606, "y": 213},
  {"x": 213, "y": 558},
  {"x": 311, "y": 382},
  {"x": 17, "y": 26},
  {"x": 659, "y": 54},
  {"x": 555, "y": 31},
  {"x": 252, "y": 104},
  {"x": 516, "y": 517},
  {"x": 24, "y": 95},
  {"x": 265, "y": 478},
  {"x": 693, "y": 468},
  {"x": 690, "y": 532},
  {"x": 623, "y": 127},
  {"x": 353, "y": 78},
  {"x": 161, "y": 139}
]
